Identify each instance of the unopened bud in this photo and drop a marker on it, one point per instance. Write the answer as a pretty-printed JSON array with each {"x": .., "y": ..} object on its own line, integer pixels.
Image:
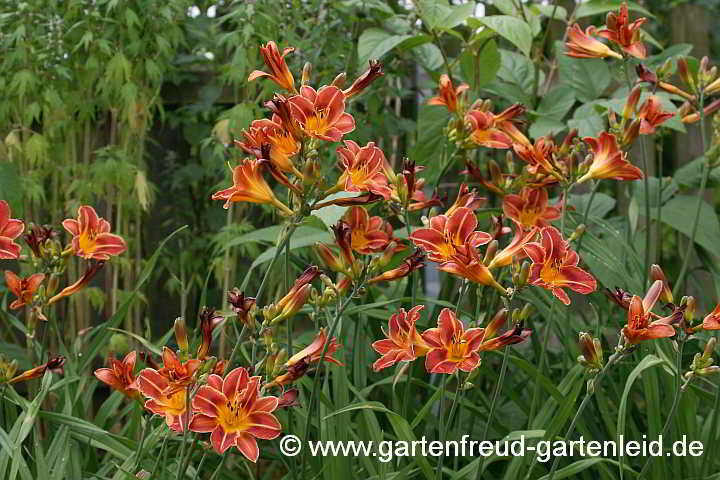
[
  {"x": 307, "y": 71},
  {"x": 656, "y": 273},
  {"x": 339, "y": 80},
  {"x": 181, "y": 335},
  {"x": 491, "y": 251}
]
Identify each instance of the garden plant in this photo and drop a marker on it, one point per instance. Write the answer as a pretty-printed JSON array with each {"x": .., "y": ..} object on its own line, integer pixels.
[{"x": 517, "y": 263}]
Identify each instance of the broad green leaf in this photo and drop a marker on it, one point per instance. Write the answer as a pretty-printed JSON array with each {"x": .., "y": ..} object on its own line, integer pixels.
[
  {"x": 437, "y": 14},
  {"x": 428, "y": 55},
  {"x": 554, "y": 10},
  {"x": 480, "y": 68},
  {"x": 572, "y": 470},
  {"x": 515, "y": 78},
  {"x": 10, "y": 189},
  {"x": 595, "y": 7},
  {"x": 432, "y": 120},
  {"x": 375, "y": 42},
  {"x": 330, "y": 214},
  {"x": 690, "y": 174},
  {"x": 557, "y": 103},
  {"x": 360, "y": 406},
  {"x": 512, "y": 29},
  {"x": 587, "y": 120},
  {"x": 679, "y": 213},
  {"x": 588, "y": 77},
  {"x": 296, "y": 241},
  {"x": 602, "y": 204}
]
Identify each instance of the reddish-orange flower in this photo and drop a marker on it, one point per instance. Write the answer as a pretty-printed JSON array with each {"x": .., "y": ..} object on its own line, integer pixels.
[
  {"x": 249, "y": 185},
  {"x": 364, "y": 169},
  {"x": 539, "y": 156},
  {"x": 279, "y": 71},
  {"x": 155, "y": 386},
  {"x": 313, "y": 352},
  {"x": 531, "y": 208},
  {"x": 91, "y": 236},
  {"x": 54, "y": 365},
  {"x": 495, "y": 131},
  {"x": 621, "y": 32},
  {"x": 466, "y": 198},
  {"x": 10, "y": 229},
  {"x": 92, "y": 269},
  {"x": 321, "y": 114},
  {"x": 403, "y": 342},
  {"x": 234, "y": 413},
  {"x": 283, "y": 145},
  {"x": 515, "y": 248},
  {"x": 467, "y": 263},
  {"x": 639, "y": 327},
  {"x": 411, "y": 263},
  {"x": 408, "y": 189},
  {"x": 23, "y": 288},
  {"x": 583, "y": 45},
  {"x": 712, "y": 319},
  {"x": 609, "y": 161},
  {"x": 178, "y": 373},
  {"x": 363, "y": 81},
  {"x": 297, "y": 296},
  {"x": 120, "y": 376},
  {"x": 448, "y": 234},
  {"x": 241, "y": 305},
  {"x": 369, "y": 234},
  {"x": 448, "y": 94},
  {"x": 651, "y": 115},
  {"x": 555, "y": 266}
]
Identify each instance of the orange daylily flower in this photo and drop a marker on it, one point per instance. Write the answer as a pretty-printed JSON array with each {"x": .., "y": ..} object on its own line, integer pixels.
[
  {"x": 467, "y": 263},
  {"x": 651, "y": 115},
  {"x": 555, "y": 267},
  {"x": 283, "y": 146},
  {"x": 539, "y": 156},
  {"x": 515, "y": 248},
  {"x": 234, "y": 413},
  {"x": 297, "y": 296},
  {"x": 364, "y": 169},
  {"x": 448, "y": 234},
  {"x": 368, "y": 234},
  {"x": 179, "y": 374},
  {"x": 10, "y": 229},
  {"x": 23, "y": 288},
  {"x": 495, "y": 131},
  {"x": 448, "y": 94},
  {"x": 54, "y": 364},
  {"x": 403, "y": 342},
  {"x": 119, "y": 376},
  {"x": 365, "y": 79},
  {"x": 249, "y": 185},
  {"x": 466, "y": 198},
  {"x": 241, "y": 305},
  {"x": 531, "y": 208},
  {"x": 163, "y": 398},
  {"x": 712, "y": 319},
  {"x": 624, "y": 34},
  {"x": 279, "y": 71},
  {"x": 609, "y": 161},
  {"x": 582, "y": 44},
  {"x": 321, "y": 114},
  {"x": 313, "y": 352},
  {"x": 411, "y": 263},
  {"x": 93, "y": 267},
  {"x": 639, "y": 327},
  {"x": 91, "y": 236},
  {"x": 410, "y": 191}
]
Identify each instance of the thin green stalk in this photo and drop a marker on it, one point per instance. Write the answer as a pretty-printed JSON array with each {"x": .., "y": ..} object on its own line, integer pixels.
[
  {"x": 676, "y": 401},
  {"x": 710, "y": 440},
  {"x": 186, "y": 462},
  {"x": 593, "y": 191},
  {"x": 441, "y": 414},
  {"x": 289, "y": 325},
  {"x": 316, "y": 380},
  {"x": 448, "y": 422},
  {"x": 162, "y": 449},
  {"x": 413, "y": 293},
  {"x": 285, "y": 240},
  {"x": 493, "y": 404},
  {"x": 237, "y": 345},
  {"x": 202, "y": 462},
  {"x": 700, "y": 195},
  {"x": 138, "y": 452},
  {"x": 586, "y": 401},
  {"x": 220, "y": 465}
]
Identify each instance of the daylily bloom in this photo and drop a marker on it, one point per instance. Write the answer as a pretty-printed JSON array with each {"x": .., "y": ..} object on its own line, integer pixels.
[
  {"x": 447, "y": 234},
  {"x": 120, "y": 376},
  {"x": 639, "y": 327},
  {"x": 363, "y": 81},
  {"x": 555, "y": 267},
  {"x": 505, "y": 256},
  {"x": 288, "y": 398},
  {"x": 10, "y": 229},
  {"x": 624, "y": 34},
  {"x": 651, "y": 115},
  {"x": 539, "y": 156},
  {"x": 313, "y": 352},
  {"x": 321, "y": 114},
  {"x": 173, "y": 405},
  {"x": 91, "y": 236},
  {"x": 408, "y": 189},
  {"x": 448, "y": 94},
  {"x": 279, "y": 71},
  {"x": 297, "y": 296},
  {"x": 54, "y": 364},
  {"x": 707, "y": 111},
  {"x": 712, "y": 319},
  {"x": 495, "y": 131},
  {"x": 452, "y": 347},
  {"x": 93, "y": 267},
  {"x": 234, "y": 413},
  {"x": 23, "y": 288},
  {"x": 403, "y": 342},
  {"x": 179, "y": 374},
  {"x": 283, "y": 145},
  {"x": 37, "y": 237},
  {"x": 413, "y": 262},
  {"x": 249, "y": 185},
  {"x": 241, "y": 305},
  {"x": 531, "y": 208},
  {"x": 609, "y": 161},
  {"x": 369, "y": 234},
  {"x": 466, "y": 198},
  {"x": 583, "y": 45},
  {"x": 208, "y": 321},
  {"x": 364, "y": 169}
]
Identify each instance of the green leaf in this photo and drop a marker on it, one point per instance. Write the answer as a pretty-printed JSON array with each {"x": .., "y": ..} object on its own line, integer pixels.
[
  {"x": 480, "y": 68},
  {"x": 581, "y": 465},
  {"x": 587, "y": 120},
  {"x": 429, "y": 56},
  {"x": 601, "y": 206},
  {"x": 375, "y": 42},
  {"x": 512, "y": 29},
  {"x": 547, "y": 11},
  {"x": 360, "y": 406},
  {"x": 432, "y": 120},
  {"x": 437, "y": 14},
  {"x": 543, "y": 126},
  {"x": 332, "y": 213},
  {"x": 589, "y": 77},
  {"x": 557, "y": 103},
  {"x": 404, "y": 432},
  {"x": 648, "y": 361},
  {"x": 679, "y": 213},
  {"x": 595, "y": 7},
  {"x": 690, "y": 174}
]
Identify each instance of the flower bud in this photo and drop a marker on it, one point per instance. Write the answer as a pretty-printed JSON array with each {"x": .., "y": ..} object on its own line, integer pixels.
[
  {"x": 592, "y": 354},
  {"x": 631, "y": 132},
  {"x": 293, "y": 304},
  {"x": 374, "y": 71},
  {"x": 656, "y": 273},
  {"x": 631, "y": 103},
  {"x": 490, "y": 252},
  {"x": 339, "y": 80},
  {"x": 307, "y": 71},
  {"x": 689, "y": 310},
  {"x": 181, "y": 335},
  {"x": 684, "y": 72}
]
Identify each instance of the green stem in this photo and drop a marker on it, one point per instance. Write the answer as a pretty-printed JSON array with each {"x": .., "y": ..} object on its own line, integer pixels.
[
  {"x": 139, "y": 450},
  {"x": 285, "y": 240},
  {"x": 289, "y": 327},
  {"x": 162, "y": 449},
  {"x": 493, "y": 404},
  {"x": 710, "y": 441},
  {"x": 441, "y": 414},
  {"x": 185, "y": 464},
  {"x": 593, "y": 191},
  {"x": 448, "y": 423},
  {"x": 220, "y": 465},
  {"x": 700, "y": 195},
  {"x": 676, "y": 401},
  {"x": 184, "y": 436},
  {"x": 202, "y": 462},
  {"x": 413, "y": 294},
  {"x": 237, "y": 345}
]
